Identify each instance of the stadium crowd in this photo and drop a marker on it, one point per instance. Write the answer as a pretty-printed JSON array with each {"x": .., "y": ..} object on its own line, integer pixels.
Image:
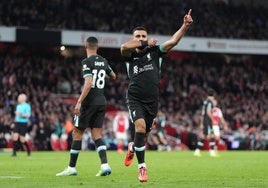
[
  {"x": 53, "y": 82},
  {"x": 217, "y": 19}
]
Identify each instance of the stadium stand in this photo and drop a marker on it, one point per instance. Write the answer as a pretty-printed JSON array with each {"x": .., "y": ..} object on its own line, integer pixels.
[
  {"x": 213, "y": 18},
  {"x": 240, "y": 83}
]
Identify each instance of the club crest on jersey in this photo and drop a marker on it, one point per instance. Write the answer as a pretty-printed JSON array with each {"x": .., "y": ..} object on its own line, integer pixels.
[
  {"x": 136, "y": 69},
  {"x": 149, "y": 57},
  {"x": 134, "y": 113}
]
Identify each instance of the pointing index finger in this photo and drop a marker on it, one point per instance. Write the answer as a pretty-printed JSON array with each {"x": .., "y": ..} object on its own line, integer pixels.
[{"x": 189, "y": 12}]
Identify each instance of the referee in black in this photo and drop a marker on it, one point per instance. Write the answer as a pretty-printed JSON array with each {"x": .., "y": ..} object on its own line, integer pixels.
[{"x": 23, "y": 113}]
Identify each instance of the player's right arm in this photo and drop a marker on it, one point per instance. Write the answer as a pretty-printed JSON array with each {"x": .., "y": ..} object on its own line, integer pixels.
[
  {"x": 85, "y": 91},
  {"x": 201, "y": 125},
  {"x": 126, "y": 48}
]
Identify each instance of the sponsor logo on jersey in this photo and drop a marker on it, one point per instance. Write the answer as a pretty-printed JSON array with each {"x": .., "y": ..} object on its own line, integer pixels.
[
  {"x": 137, "y": 70},
  {"x": 146, "y": 68},
  {"x": 85, "y": 67}
]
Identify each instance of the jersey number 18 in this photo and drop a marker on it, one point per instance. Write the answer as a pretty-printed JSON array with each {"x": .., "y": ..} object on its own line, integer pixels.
[{"x": 98, "y": 79}]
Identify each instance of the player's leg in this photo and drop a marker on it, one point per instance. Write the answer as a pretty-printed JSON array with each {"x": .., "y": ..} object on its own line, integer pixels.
[
  {"x": 139, "y": 141},
  {"x": 212, "y": 143},
  {"x": 76, "y": 145},
  {"x": 216, "y": 130},
  {"x": 163, "y": 140},
  {"x": 15, "y": 138},
  {"x": 130, "y": 151},
  {"x": 143, "y": 127},
  {"x": 24, "y": 142},
  {"x": 17, "y": 131},
  {"x": 101, "y": 150},
  {"x": 135, "y": 111},
  {"x": 139, "y": 147},
  {"x": 200, "y": 145},
  {"x": 201, "y": 140},
  {"x": 154, "y": 140},
  {"x": 96, "y": 132},
  {"x": 120, "y": 137},
  {"x": 22, "y": 133}
]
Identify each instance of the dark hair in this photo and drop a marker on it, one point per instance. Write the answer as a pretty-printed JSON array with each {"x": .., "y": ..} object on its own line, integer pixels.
[
  {"x": 92, "y": 41},
  {"x": 210, "y": 92},
  {"x": 139, "y": 28}
]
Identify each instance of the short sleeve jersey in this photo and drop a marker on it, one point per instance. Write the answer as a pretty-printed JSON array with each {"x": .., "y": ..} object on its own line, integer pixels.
[
  {"x": 207, "y": 105},
  {"x": 217, "y": 115},
  {"x": 23, "y": 108},
  {"x": 144, "y": 70},
  {"x": 97, "y": 67}
]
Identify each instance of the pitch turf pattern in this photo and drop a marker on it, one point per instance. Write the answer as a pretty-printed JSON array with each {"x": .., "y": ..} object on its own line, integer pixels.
[{"x": 165, "y": 169}]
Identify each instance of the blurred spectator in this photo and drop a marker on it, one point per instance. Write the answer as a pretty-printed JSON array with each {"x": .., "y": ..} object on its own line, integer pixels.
[
  {"x": 245, "y": 19},
  {"x": 42, "y": 137}
]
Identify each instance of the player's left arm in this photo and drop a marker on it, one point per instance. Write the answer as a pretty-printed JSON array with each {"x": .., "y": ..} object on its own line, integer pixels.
[
  {"x": 26, "y": 114},
  {"x": 224, "y": 123},
  {"x": 173, "y": 41},
  {"x": 209, "y": 112},
  {"x": 111, "y": 75}
]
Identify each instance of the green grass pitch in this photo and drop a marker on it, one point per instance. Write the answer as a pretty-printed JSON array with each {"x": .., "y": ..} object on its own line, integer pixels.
[{"x": 165, "y": 169}]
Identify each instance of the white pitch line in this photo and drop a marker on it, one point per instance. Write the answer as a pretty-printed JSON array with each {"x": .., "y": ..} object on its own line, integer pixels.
[{"x": 10, "y": 177}]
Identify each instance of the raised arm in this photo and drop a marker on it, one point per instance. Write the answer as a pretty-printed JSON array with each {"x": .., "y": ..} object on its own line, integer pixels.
[{"x": 173, "y": 41}]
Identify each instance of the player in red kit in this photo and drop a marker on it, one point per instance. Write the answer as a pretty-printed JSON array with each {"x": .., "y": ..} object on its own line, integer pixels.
[
  {"x": 217, "y": 121},
  {"x": 120, "y": 127}
]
